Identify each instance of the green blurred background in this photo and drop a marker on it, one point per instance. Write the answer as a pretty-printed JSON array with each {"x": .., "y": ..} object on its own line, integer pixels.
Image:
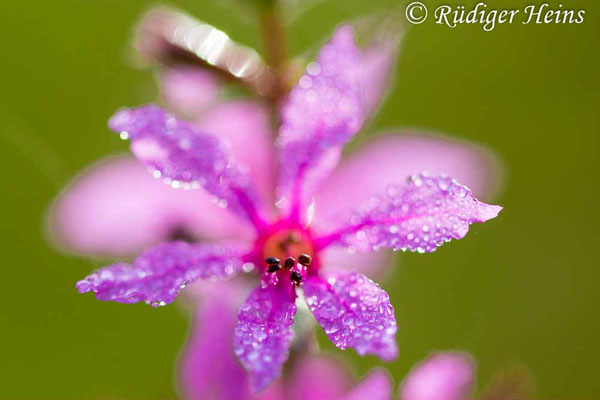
[{"x": 520, "y": 289}]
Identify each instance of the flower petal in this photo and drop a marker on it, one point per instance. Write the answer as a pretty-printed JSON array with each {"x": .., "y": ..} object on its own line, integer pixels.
[
  {"x": 246, "y": 128},
  {"x": 263, "y": 334},
  {"x": 442, "y": 376},
  {"x": 354, "y": 312},
  {"x": 323, "y": 112},
  {"x": 187, "y": 90},
  {"x": 208, "y": 365},
  {"x": 185, "y": 158},
  {"x": 378, "y": 61},
  {"x": 116, "y": 209},
  {"x": 419, "y": 216},
  {"x": 338, "y": 258},
  {"x": 157, "y": 275},
  {"x": 391, "y": 159},
  {"x": 318, "y": 378},
  {"x": 375, "y": 386}
]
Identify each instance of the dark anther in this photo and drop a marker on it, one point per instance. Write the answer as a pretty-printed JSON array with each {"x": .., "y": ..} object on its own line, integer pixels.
[
  {"x": 289, "y": 263},
  {"x": 304, "y": 259},
  {"x": 274, "y": 268},
  {"x": 272, "y": 260},
  {"x": 296, "y": 278}
]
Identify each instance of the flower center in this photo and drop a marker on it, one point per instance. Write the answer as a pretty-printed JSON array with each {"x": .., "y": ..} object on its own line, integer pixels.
[{"x": 289, "y": 252}]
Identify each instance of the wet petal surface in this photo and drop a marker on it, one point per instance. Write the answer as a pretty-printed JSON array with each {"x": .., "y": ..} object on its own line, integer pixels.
[
  {"x": 186, "y": 158},
  {"x": 354, "y": 312},
  {"x": 157, "y": 275},
  {"x": 391, "y": 159},
  {"x": 323, "y": 112},
  {"x": 419, "y": 216},
  {"x": 263, "y": 334}
]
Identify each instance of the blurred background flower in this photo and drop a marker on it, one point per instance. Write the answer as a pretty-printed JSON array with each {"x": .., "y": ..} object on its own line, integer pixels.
[{"x": 509, "y": 292}]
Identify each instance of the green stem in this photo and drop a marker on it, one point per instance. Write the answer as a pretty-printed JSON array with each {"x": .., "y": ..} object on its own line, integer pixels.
[{"x": 273, "y": 37}]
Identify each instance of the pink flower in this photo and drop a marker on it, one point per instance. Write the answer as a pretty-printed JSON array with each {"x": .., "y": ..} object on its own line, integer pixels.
[
  {"x": 315, "y": 212},
  {"x": 208, "y": 365},
  {"x": 442, "y": 376}
]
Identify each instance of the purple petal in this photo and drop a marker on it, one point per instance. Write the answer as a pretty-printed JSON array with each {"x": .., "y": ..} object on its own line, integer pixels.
[
  {"x": 443, "y": 376},
  {"x": 419, "y": 216},
  {"x": 391, "y": 159},
  {"x": 323, "y": 112},
  {"x": 185, "y": 158},
  {"x": 189, "y": 91},
  {"x": 247, "y": 130},
  {"x": 208, "y": 365},
  {"x": 117, "y": 209},
  {"x": 354, "y": 312},
  {"x": 375, "y": 386},
  {"x": 263, "y": 333},
  {"x": 157, "y": 275},
  {"x": 318, "y": 378}
]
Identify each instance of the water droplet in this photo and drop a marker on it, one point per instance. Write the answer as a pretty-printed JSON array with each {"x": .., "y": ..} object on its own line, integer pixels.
[{"x": 313, "y": 68}]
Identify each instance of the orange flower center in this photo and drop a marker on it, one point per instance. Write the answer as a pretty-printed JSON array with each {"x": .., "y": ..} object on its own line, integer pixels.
[{"x": 288, "y": 243}]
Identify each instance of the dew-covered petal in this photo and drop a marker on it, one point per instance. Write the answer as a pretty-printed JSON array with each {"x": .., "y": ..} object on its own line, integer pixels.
[
  {"x": 116, "y": 209},
  {"x": 263, "y": 333},
  {"x": 377, "y": 385},
  {"x": 188, "y": 91},
  {"x": 186, "y": 158},
  {"x": 318, "y": 378},
  {"x": 246, "y": 128},
  {"x": 207, "y": 365},
  {"x": 355, "y": 312},
  {"x": 391, "y": 159},
  {"x": 323, "y": 112},
  {"x": 157, "y": 275},
  {"x": 442, "y": 376},
  {"x": 418, "y": 216}
]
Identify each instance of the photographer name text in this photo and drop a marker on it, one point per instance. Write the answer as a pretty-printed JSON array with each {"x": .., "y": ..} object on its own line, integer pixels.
[{"x": 489, "y": 19}]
